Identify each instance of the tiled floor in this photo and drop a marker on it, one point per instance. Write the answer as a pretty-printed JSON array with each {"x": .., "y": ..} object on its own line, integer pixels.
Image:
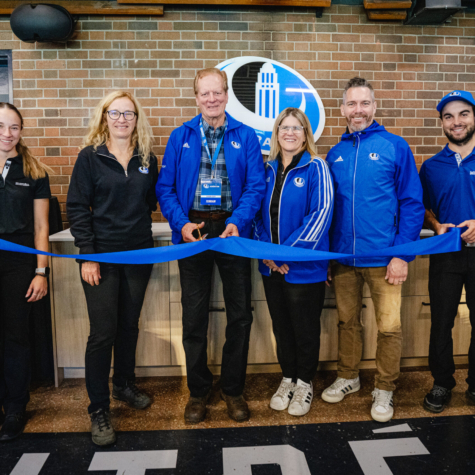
[{"x": 64, "y": 409}]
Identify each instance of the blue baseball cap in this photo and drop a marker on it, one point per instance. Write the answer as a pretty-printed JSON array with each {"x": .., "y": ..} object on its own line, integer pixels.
[{"x": 456, "y": 96}]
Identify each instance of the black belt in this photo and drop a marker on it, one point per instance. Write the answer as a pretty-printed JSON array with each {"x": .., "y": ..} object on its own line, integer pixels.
[{"x": 217, "y": 215}]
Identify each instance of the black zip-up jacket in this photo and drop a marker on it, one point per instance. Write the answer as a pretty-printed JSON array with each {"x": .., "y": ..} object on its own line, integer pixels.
[{"x": 109, "y": 207}]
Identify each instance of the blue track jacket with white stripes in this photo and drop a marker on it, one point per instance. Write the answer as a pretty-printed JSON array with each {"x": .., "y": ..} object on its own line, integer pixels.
[
  {"x": 378, "y": 195},
  {"x": 305, "y": 215}
]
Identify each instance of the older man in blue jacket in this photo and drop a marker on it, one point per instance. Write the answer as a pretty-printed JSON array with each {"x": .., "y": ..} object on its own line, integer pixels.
[
  {"x": 211, "y": 184},
  {"x": 378, "y": 204}
]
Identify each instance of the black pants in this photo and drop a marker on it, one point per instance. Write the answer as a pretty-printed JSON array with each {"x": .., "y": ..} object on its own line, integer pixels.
[
  {"x": 114, "y": 308},
  {"x": 295, "y": 310},
  {"x": 195, "y": 277},
  {"x": 16, "y": 275},
  {"x": 447, "y": 275}
]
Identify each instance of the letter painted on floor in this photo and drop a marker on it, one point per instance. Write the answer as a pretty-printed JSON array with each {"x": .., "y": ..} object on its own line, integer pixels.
[
  {"x": 238, "y": 461},
  {"x": 29, "y": 464},
  {"x": 371, "y": 453},
  {"x": 134, "y": 463}
]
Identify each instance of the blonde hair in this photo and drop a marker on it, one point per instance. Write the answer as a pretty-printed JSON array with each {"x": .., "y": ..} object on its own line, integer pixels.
[
  {"x": 309, "y": 144},
  {"x": 32, "y": 167},
  {"x": 98, "y": 133},
  {"x": 208, "y": 72}
]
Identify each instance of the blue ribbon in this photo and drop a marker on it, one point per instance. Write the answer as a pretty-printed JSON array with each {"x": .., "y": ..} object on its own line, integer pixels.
[{"x": 449, "y": 242}]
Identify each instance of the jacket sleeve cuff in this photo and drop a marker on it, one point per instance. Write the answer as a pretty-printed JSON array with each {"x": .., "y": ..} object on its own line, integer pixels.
[
  {"x": 235, "y": 221},
  {"x": 89, "y": 249}
]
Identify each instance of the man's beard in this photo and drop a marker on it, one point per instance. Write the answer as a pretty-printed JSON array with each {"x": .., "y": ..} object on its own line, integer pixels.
[
  {"x": 358, "y": 128},
  {"x": 462, "y": 140}
]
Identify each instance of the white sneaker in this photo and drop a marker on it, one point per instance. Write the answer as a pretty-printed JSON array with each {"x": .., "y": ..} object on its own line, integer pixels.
[
  {"x": 303, "y": 395},
  {"x": 382, "y": 410},
  {"x": 281, "y": 399},
  {"x": 340, "y": 388}
]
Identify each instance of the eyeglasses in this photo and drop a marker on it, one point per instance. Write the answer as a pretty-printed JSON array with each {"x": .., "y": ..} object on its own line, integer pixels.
[
  {"x": 296, "y": 129},
  {"x": 128, "y": 115}
]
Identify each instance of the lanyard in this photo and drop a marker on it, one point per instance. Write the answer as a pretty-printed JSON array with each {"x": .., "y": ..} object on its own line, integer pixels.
[
  {"x": 6, "y": 169},
  {"x": 205, "y": 143}
]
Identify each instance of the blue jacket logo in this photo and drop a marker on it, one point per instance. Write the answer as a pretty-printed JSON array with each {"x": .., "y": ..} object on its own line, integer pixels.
[
  {"x": 299, "y": 182},
  {"x": 374, "y": 156},
  {"x": 265, "y": 89},
  {"x": 235, "y": 144},
  {"x": 143, "y": 170}
]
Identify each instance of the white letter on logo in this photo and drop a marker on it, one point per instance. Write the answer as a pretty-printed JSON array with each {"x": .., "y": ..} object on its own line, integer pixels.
[
  {"x": 238, "y": 461},
  {"x": 30, "y": 464},
  {"x": 134, "y": 463},
  {"x": 370, "y": 453}
]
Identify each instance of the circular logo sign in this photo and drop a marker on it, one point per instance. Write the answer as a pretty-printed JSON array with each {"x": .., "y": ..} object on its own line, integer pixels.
[
  {"x": 260, "y": 89},
  {"x": 299, "y": 182}
]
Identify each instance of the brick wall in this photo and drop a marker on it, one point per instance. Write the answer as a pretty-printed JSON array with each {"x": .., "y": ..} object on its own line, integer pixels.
[{"x": 56, "y": 86}]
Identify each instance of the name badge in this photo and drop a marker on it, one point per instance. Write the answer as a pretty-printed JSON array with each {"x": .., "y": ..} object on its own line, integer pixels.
[{"x": 211, "y": 191}]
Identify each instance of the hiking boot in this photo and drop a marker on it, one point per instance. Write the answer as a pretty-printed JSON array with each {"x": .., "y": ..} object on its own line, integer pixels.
[
  {"x": 131, "y": 395},
  {"x": 101, "y": 428}
]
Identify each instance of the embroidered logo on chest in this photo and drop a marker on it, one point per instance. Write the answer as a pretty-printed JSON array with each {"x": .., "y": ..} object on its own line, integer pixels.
[
  {"x": 299, "y": 182},
  {"x": 143, "y": 170},
  {"x": 374, "y": 156},
  {"x": 235, "y": 144}
]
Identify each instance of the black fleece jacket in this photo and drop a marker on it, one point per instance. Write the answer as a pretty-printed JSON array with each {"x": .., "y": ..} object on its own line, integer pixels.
[{"x": 109, "y": 207}]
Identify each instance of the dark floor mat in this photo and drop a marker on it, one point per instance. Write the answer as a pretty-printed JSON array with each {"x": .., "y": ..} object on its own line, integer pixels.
[{"x": 412, "y": 446}]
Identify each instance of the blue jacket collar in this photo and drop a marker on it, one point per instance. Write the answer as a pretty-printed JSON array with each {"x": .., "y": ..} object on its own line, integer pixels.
[
  {"x": 195, "y": 122},
  {"x": 305, "y": 160},
  {"x": 374, "y": 127}
]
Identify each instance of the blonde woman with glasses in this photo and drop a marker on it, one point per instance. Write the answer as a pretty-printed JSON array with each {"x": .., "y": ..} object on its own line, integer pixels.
[
  {"x": 110, "y": 201},
  {"x": 296, "y": 212}
]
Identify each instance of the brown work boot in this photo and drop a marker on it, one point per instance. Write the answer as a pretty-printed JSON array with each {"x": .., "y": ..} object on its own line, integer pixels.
[
  {"x": 195, "y": 410},
  {"x": 237, "y": 407}
]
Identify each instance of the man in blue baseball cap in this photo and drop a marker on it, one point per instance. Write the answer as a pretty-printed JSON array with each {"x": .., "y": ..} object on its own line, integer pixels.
[{"x": 448, "y": 182}]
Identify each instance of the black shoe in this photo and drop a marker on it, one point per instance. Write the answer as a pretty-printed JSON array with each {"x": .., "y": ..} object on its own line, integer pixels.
[
  {"x": 131, "y": 395},
  {"x": 437, "y": 399},
  {"x": 101, "y": 428},
  {"x": 470, "y": 393},
  {"x": 13, "y": 426}
]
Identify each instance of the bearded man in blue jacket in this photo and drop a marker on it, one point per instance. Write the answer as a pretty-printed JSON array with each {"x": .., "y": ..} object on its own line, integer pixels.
[
  {"x": 378, "y": 204},
  {"x": 448, "y": 181},
  {"x": 211, "y": 184}
]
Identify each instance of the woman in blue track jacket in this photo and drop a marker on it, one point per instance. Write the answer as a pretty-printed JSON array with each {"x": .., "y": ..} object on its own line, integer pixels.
[{"x": 296, "y": 211}]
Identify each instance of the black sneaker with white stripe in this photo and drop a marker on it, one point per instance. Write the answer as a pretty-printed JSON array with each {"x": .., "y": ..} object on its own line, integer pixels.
[
  {"x": 302, "y": 399},
  {"x": 437, "y": 399}
]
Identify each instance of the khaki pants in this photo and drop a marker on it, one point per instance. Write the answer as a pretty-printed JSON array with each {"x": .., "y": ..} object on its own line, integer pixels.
[{"x": 348, "y": 282}]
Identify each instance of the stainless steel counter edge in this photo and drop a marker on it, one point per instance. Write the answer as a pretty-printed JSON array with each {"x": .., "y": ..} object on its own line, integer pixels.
[{"x": 162, "y": 232}]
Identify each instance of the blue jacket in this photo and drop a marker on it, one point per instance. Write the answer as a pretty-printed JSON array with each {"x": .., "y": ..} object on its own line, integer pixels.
[
  {"x": 180, "y": 169},
  {"x": 378, "y": 195},
  {"x": 305, "y": 215},
  {"x": 449, "y": 189}
]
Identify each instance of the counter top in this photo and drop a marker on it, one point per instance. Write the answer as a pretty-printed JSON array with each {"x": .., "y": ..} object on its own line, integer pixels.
[{"x": 162, "y": 232}]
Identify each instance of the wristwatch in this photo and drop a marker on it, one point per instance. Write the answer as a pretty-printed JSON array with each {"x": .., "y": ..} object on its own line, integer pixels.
[{"x": 43, "y": 271}]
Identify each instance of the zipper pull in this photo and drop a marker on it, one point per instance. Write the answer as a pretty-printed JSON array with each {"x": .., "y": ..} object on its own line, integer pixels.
[
  {"x": 126, "y": 174},
  {"x": 354, "y": 140}
]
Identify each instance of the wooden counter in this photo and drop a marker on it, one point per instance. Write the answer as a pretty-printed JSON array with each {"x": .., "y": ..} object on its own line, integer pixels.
[{"x": 160, "y": 351}]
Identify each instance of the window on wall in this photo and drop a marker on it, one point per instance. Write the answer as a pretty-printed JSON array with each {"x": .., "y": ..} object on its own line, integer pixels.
[{"x": 6, "y": 76}]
